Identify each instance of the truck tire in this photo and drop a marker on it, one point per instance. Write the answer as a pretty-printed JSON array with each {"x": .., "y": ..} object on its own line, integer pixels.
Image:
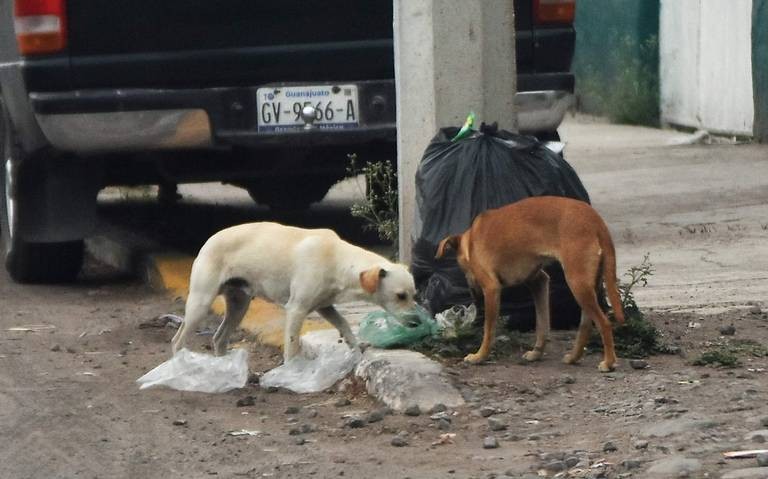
[
  {"x": 290, "y": 194},
  {"x": 28, "y": 262}
]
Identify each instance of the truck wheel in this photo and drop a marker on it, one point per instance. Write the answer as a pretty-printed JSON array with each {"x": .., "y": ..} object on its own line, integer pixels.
[
  {"x": 290, "y": 194},
  {"x": 29, "y": 262}
]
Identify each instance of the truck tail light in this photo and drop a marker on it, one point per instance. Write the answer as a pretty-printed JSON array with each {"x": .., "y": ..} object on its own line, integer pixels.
[
  {"x": 41, "y": 26},
  {"x": 554, "y": 11}
]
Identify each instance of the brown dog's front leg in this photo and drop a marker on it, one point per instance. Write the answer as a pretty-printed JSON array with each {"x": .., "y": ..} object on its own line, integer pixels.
[{"x": 492, "y": 296}]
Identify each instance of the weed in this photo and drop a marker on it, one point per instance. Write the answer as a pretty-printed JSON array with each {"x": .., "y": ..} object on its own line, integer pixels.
[
  {"x": 727, "y": 354},
  {"x": 379, "y": 208},
  {"x": 637, "y": 337}
]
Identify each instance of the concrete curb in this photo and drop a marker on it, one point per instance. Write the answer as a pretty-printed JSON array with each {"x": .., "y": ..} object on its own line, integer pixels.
[{"x": 397, "y": 378}]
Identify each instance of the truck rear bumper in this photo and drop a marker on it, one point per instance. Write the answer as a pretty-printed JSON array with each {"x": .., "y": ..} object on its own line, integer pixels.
[{"x": 95, "y": 121}]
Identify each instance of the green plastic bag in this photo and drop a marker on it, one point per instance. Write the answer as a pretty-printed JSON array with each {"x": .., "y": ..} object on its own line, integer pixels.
[{"x": 384, "y": 330}]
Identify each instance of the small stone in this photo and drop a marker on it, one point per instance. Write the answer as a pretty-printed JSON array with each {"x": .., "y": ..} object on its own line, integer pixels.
[
  {"x": 299, "y": 441},
  {"x": 443, "y": 424},
  {"x": 294, "y": 431},
  {"x": 487, "y": 411},
  {"x": 56, "y": 348},
  {"x": 180, "y": 422},
  {"x": 762, "y": 460},
  {"x": 755, "y": 309},
  {"x": 342, "y": 402},
  {"x": 630, "y": 464},
  {"x": 496, "y": 424},
  {"x": 375, "y": 416},
  {"x": 355, "y": 422},
  {"x": 571, "y": 461},
  {"x": 640, "y": 444},
  {"x": 567, "y": 379},
  {"x": 638, "y": 363},
  {"x": 490, "y": 442},
  {"x": 610, "y": 447},
  {"x": 245, "y": 401},
  {"x": 764, "y": 421},
  {"x": 439, "y": 407},
  {"x": 413, "y": 410},
  {"x": 555, "y": 466},
  {"x": 253, "y": 378},
  {"x": 399, "y": 441},
  {"x": 312, "y": 413},
  {"x": 729, "y": 330},
  {"x": 71, "y": 350},
  {"x": 292, "y": 410},
  {"x": 272, "y": 389},
  {"x": 307, "y": 428}
]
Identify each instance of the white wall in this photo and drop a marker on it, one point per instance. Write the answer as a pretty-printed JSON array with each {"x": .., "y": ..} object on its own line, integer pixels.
[{"x": 705, "y": 64}]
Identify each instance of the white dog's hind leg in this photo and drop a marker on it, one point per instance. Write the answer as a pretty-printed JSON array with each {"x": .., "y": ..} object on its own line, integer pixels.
[
  {"x": 294, "y": 321},
  {"x": 337, "y": 320},
  {"x": 237, "y": 304},
  {"x": 202, "y": 291}
]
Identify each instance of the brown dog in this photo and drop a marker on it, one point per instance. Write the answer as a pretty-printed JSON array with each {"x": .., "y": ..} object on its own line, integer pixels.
[{"x": 510, "y": 245}]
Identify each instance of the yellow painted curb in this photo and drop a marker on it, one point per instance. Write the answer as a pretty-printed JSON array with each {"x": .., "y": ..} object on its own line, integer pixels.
[{"x": 264, "y": 320}]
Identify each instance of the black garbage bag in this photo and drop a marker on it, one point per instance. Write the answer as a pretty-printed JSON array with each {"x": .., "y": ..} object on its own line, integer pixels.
[{"x": 455, "y": 182}]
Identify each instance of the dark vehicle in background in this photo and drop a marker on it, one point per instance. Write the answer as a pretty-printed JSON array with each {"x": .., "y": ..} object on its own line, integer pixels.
[{"x": 268, "y": 96}]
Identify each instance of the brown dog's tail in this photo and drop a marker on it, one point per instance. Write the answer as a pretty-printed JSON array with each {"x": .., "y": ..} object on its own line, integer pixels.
[{"x": 609, "y": 274}]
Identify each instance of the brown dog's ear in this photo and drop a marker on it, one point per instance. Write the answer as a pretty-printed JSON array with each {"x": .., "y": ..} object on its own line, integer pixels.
[
  {"x": 451, "y": 242},
  {"x": 370, "y": 278}
]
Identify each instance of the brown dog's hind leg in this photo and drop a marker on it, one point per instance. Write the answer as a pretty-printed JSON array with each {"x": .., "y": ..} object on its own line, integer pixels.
[
  {"x": 491, "y": 295},
  {"x": 539, "y": 287},
  {"x": 587, "y": 299},
  {"x": 582, "y": 338}
]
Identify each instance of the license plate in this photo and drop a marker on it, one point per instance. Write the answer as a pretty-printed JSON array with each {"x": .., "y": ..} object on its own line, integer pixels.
[{"x": 280, "y": 107}]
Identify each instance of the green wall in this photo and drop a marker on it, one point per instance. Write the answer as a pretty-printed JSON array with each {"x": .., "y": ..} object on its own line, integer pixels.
[
  {"x": 760, "y": 68},
  {"x": 616, "y": 62}
]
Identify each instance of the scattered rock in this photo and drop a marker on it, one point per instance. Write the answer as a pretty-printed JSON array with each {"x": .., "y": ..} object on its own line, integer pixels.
[
  {"x": 571, "y": 461},
  {"x": 755, "y": 309},
  {"x": 342, "y": 402},
  {"x": 640, "y": 444},
  {"x": 673, "y": 467},
  {"x": 412, "y": 410},
  {"x": 299, "y": 441},
  {"x": 496, "y": 424},
  {"x": 552, "y": 456},
  {"x": 292, "y": 410},
  {"x": 56, "y": 348},
  {"x": 764, "y": 421},
  {"x": 759, "y": 436},
  {"x": 307, "y": 428},
  {"x": 490, "y": 442},
  {"x": 375, "y": 416},
  {"x": 443, "y": 424},
  {"x": 762, "y": 460},
  {"x": 399, "y": 441},
  {"x": 630, "y": 464},
  {"x": 610, "y": 447},
  {"x": 567, "y": 379},
  {"x": 638, "y": 363},
  {"x": 729, "y": 330},
  {"x": 71, "y": 350},
  {"x": 439, "y": 407},
  {"x": 246, "y": 401},
  {"x": 272, "y": 389},
  {"x": 487, "y": 411},
  {"x": 355, "y": 422},
  {"x": 555, "y": 466},
  {"x": 311, "y": 413},
  {"x": 180, "y": 422},
  {"x": 294, "y": 431}
]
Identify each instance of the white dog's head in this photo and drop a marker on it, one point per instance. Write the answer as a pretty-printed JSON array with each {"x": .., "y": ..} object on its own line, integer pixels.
[{"x": 391, "y": 286}]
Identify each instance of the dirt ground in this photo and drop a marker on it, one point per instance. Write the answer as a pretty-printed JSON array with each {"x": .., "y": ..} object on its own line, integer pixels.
[{"x": 69, "y": 406}]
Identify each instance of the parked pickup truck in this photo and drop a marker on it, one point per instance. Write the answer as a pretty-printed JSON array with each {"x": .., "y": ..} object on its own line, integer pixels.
[{"x": 268, "y": 96}]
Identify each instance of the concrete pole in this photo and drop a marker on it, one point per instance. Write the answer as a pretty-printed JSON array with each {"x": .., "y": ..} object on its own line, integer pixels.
[{"x": 451, "y": 57}]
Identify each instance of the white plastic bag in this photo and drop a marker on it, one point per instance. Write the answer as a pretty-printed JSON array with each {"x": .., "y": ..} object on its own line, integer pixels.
[
  {"x": 190, "y": 371},
  {"x": 320, "y": 365},
  {"x": 456, "y": 321}
]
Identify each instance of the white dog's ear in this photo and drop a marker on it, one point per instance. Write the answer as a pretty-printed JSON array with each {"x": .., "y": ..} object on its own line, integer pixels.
[{"x": 370, "y": 279}]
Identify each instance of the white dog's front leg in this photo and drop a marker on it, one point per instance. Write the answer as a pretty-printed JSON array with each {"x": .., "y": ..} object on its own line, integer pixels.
[
  {"x": 294, "y": 321},
  {"x": 337, "y": 320}
]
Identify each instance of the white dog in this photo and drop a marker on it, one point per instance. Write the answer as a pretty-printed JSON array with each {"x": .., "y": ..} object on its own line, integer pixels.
[{"x": 304, "y": 270}]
